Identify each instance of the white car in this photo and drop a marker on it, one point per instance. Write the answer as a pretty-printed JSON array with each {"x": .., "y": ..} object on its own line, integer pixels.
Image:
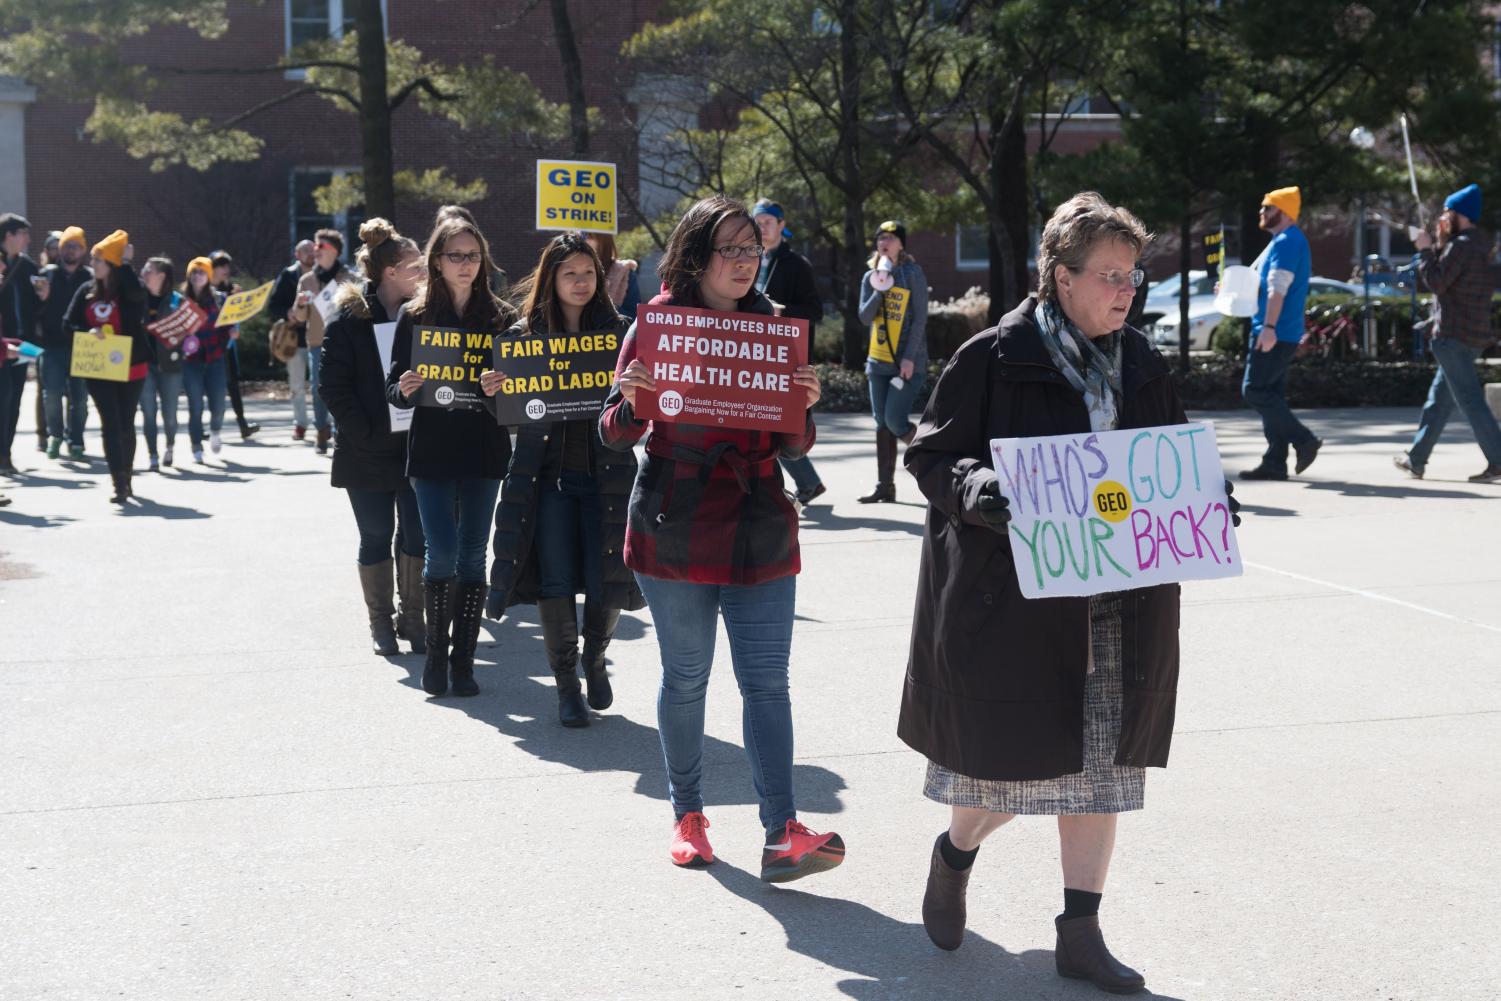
[{"x": 1161, "y": 319}]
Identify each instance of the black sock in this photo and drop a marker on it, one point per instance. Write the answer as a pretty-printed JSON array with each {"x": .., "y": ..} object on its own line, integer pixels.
[
  {"x": 1080, "y": 904},
  {"x": 953, "y": 857}
]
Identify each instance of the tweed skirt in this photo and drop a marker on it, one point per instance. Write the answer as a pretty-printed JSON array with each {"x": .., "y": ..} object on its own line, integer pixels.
[{"x": 1103, "y": 786}]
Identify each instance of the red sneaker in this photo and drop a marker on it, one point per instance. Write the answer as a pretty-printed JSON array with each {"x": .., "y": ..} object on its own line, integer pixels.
[
  {"x": 800, "y": 853},
  {"x": 299, "y": 432},
  {"x": 690, "y": 845}
]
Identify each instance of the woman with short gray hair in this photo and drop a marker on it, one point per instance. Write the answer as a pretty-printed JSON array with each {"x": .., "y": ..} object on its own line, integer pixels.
[{"x": 1051, "y": 707}]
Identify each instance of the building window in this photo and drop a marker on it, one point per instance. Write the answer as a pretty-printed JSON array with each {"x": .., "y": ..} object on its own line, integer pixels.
[
  {"x": 307, "y": 220},
  {"x": 315, "y": 20},
  {"x": 971, "y": 248}
]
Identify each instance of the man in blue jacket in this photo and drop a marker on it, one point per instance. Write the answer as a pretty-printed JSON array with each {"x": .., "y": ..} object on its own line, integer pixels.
[{"x": 1275, "y": 332}]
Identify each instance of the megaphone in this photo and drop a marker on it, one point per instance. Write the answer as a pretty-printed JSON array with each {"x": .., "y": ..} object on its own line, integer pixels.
[{"x": 882, "y": 279}]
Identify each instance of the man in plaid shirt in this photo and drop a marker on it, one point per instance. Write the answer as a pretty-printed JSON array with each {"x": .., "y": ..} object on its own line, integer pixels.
[{"x": 1457, "y": 270}]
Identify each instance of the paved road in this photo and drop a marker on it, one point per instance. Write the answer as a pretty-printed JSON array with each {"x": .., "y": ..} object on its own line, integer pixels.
[{"x": 208, "y": 789}]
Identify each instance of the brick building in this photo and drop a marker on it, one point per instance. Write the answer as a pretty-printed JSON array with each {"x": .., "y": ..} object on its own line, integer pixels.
[{"x": 58, "y": 176}]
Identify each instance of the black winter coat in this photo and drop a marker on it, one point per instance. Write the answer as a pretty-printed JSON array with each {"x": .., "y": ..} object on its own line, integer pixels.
[
  {"x": 352, "y": 381},
  {"x": 791, "y": 284},
  {"x": 995, "y": 681},
  {"x": 516, "y": 572},
  {"x": 445, "y": 444}
]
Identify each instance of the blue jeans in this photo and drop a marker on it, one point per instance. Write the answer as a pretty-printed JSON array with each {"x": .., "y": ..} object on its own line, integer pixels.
[
  {"x": 803, "y": 474},
  {"x": 320, "y": 411},
  {"x": 377, "y": 514},
  {"x": 758, "y": 620},
  {"x": 568, "y": 537},
  {"x": 1265, "y": 388},
  {"x": 456, "y": 517},
  {"x": 890, "y": 406},
  {"x": 1455, "y": 382},
  {"x": 204, "y": 379},
  {"x": 56, "y": 385},
  {"x": 164, "y": 388}
]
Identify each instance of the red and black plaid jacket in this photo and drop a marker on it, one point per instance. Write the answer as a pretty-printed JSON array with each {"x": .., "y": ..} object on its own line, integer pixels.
[
  {"x": 708, "y": 505},
  {"x": 1460, "y": 278}
]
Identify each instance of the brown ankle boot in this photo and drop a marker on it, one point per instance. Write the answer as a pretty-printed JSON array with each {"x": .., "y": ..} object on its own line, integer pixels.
[
  {"x": 943, "y": 905},
  {"x": 1082, "y": 955}
]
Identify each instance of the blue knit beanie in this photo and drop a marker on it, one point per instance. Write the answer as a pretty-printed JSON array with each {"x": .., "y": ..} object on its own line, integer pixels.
[{"x": 1465, "y": 201}]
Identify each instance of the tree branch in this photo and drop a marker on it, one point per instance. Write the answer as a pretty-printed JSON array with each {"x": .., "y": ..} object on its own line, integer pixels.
[{"x": 421, "y": 83}]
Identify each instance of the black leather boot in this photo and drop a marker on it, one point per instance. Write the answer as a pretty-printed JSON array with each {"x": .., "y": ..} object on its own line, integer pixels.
[
  {"x": 468, "y": 603},
  {"x": 885, "y": 491},
  {"x": 121, "y": 490},
  {"x": 375, "y": 582},
  {"x": 409, "y": 624},
  {"x": 560, "y": 634},
  {"x": 439, "y": 612},
  {"x": 599, "y": 628}
]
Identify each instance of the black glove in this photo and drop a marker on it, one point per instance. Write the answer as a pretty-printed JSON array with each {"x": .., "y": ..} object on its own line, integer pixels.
[
  {"x": 994, "y": 510},
  {"x": 1234, "y": 504}
]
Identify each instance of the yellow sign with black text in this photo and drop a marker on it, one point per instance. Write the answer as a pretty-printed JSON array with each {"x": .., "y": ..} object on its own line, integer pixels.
[
  {"x": 576, "y": 194},
  {"x": 886, "y": 328},
  {"x": 243, "y": 305},
  {"x": 106, "y": 358}
]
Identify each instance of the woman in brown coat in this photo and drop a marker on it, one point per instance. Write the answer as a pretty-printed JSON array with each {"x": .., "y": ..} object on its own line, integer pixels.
[{"x": 1048, "y": 707}]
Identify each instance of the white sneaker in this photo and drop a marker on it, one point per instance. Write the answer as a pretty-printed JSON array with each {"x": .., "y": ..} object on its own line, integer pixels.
[
  {"x": 214, "y": 443},
  {"x": 198, "y": 455}
]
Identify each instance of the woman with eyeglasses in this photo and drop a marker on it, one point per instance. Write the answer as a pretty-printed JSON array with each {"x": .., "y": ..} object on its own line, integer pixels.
[
  {"x": 894, "y": 301},
  {"x": 1050, "y": 708},
  {"x": 455, "y": 458},
  {"x": 711, "y": 534},
  {"x": 560, "y": 527},
  {"x": 327, "y": 268},
  {"x": 113, "y": 304}
]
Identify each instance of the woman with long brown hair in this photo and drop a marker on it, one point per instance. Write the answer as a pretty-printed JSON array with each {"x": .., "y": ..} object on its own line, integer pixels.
[
  {"x": 560, "y": 527},
  {"x": 711, "y": 533},
  {"x": 204, "y": 370},
  {"x": 455, "y": 458}
]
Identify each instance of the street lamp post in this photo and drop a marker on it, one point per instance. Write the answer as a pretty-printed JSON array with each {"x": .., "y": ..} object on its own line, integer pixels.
[{"x": 1362, "y": 139}]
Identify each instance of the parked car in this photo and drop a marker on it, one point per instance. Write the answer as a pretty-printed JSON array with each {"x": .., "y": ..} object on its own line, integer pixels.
[{"x": 1203, "y": 317}]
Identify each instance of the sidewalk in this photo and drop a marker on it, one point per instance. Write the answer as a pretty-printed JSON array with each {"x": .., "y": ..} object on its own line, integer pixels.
[{"x": 209, "y": 789}]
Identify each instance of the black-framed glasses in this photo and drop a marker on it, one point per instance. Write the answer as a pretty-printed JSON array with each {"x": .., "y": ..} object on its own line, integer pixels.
[
  {"x": 747, "y": 250},
  {"x": 473, "y": 257},
  {"x": 1117, "y": 279}
]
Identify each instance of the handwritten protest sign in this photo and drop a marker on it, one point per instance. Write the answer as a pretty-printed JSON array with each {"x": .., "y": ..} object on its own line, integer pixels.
[
  {"x": 178, "y": 324},
  {"x": 724, "y": 369},
  {"x": 451, "y": 361},
  {"x": 385, "y": 337},
  {"x": 106, "y": 358},
  {"x": 1101, "y": 512},
  {"x": 243, "y": 305},
  {"x": 576, "y": 194},
  {"x": 554, "y": 377}
]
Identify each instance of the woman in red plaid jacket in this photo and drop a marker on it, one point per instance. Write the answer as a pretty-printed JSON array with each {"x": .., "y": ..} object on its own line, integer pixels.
[{"x": 710, "y": 531}]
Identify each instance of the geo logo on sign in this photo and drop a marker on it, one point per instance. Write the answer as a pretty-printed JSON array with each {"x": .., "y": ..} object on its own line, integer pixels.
[{"x": 444, "y": 395}]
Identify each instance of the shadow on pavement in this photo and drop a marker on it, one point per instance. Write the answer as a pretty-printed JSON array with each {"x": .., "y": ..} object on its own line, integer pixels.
[
  {"x": 1267, "y": 512},
  {"x": 145, "y": 507},
  {"x": 1392, "y": 490},
  {"x": 894, "y": 959},
  {"x": 11, "y": 517},
  {"x": 824, "y": 518},
  {"x": 518, "y": 698},
  {"x": 33, "y": 480}
]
